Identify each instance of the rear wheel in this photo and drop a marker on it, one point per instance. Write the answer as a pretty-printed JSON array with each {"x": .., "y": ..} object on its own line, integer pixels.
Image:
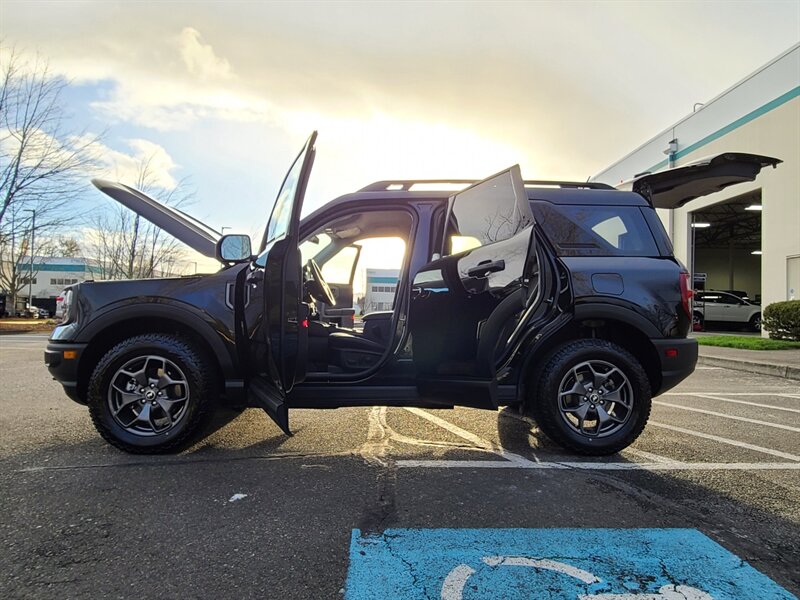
[
  {"x": 151, "y": 393},
  {"x": 697, "y": 322},
  {"x": 591, "y": 396},
  {"x": 755, "y": 322}
]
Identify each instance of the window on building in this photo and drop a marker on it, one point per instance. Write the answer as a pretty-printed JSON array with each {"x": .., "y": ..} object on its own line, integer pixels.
[{"x": 52, "y": 281}]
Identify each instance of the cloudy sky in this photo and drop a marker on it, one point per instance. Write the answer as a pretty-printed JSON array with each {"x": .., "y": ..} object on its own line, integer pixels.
[{"x": 224, "y": 93}]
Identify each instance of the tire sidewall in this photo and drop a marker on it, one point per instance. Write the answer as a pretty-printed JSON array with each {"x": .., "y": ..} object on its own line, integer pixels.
[
  {"x": 170, "y": 348},
  {"x": 548, "y": 413}
]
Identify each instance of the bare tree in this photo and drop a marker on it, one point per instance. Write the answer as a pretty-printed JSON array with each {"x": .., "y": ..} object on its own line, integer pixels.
[
  {"x": 43, "y": 163},
  {"x": 126, "y": 247}
]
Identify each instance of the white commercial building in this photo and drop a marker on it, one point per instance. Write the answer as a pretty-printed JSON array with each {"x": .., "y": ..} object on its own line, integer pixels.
[
  {"x": 380, "y": 289},
  {"x": 746, "y": 237}
]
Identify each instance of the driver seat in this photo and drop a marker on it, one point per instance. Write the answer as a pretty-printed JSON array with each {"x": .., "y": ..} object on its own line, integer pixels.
[{"x": 356, "y": 351}]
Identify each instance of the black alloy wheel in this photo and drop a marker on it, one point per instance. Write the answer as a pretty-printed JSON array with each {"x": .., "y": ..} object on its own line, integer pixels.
[
  {"x": 591, "y": 396},
  {"x": 151, "y": 393}
]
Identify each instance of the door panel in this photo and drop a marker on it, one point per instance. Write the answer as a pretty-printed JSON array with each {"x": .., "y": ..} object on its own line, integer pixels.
[
  {"x": 464, "y": 304},
  {"x": 280, "y": 337}
]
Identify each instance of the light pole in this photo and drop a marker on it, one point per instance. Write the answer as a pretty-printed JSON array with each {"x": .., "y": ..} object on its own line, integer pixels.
[
  {"x": 222, "y": 229},
  {"x": 30, "y": 273}
]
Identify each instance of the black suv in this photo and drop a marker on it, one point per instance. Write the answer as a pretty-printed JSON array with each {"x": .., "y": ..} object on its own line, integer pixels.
[{"x": 561, "y": 299}]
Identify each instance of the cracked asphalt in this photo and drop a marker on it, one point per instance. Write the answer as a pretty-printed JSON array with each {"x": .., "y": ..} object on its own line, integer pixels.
[{"x": 81, "y": 519}]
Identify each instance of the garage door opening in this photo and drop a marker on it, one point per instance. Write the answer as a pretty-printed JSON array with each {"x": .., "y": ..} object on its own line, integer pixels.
[{"x": 726, "y": 251}]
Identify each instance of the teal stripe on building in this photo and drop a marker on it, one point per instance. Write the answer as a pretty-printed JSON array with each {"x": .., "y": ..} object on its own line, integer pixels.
[
  {"x": 382, "y": 279},
  {"x": 55, "y": 268},
  {"x": 751, "y": 116}
]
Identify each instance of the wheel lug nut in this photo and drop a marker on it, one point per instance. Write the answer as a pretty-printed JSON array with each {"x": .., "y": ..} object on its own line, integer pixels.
[
  {"x": 152, "y": 385},
  {"x": 141, "y": 390}
]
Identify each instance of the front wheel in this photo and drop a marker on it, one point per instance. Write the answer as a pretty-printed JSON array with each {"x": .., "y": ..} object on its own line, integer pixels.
[
  {"x": 151, "y": 393},
  {"x": 591, "y": 396}
]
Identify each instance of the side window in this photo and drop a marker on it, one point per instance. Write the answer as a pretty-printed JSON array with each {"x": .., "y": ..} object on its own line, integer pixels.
[
  {"x": 586, "y": 230},
  {"x": 611, "y": 230},
  {"x": 485, "y": 213},
  {"x": 339, "y": 269}
]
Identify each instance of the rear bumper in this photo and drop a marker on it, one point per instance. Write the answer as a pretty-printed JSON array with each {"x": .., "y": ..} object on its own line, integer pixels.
[
  {"x": 64, "y": 367},
  {"x": 678, "y": 360}
]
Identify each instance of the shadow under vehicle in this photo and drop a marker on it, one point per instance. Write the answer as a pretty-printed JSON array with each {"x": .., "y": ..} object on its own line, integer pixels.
[{"x": 561, "y": 298}]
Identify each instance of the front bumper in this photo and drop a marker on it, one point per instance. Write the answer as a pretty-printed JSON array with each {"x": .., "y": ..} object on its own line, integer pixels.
[
  {"x": 678, "y": 360},
  {"x": 62, "y": 361}
]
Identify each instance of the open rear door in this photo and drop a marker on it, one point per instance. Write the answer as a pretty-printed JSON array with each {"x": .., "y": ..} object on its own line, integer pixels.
[
  {"x": 279, "y": 347},
  {"x": 467, "y": 304},
  {"x": 675, "y": 187}
]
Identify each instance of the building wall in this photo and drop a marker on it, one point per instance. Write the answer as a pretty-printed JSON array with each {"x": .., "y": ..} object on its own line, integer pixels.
[
  {"x": 759, "y": 115},
  {"x": 51, "y": 274},
  {"x": 714, "y": 262},
  {"x": 381, "y": 289}
]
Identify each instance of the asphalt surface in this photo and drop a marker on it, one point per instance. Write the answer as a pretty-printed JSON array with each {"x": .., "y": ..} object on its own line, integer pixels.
[{"x": 81, "y": 519}]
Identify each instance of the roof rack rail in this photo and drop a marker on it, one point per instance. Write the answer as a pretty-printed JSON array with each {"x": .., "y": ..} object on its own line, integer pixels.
[{"x": 405, "y": 185}]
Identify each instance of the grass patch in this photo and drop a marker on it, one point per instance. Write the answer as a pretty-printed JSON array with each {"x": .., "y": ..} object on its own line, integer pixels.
[{"x": 746, "y": 342}]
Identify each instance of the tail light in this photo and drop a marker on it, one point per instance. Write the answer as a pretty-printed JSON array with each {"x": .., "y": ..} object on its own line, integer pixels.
[{"x": 686, "y": 294}]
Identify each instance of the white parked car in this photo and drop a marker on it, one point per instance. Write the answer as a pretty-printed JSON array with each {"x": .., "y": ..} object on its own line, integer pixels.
[
  {"x": 60, "y": 304},
  {"x": 717, "y": 307}
]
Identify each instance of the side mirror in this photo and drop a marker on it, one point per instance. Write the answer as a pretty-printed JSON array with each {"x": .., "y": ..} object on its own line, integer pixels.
[{"x": 234, "y": 248}]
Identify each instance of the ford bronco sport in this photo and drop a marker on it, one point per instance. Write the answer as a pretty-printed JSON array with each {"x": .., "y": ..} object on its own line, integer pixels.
[{"x": 561, "y": 299}]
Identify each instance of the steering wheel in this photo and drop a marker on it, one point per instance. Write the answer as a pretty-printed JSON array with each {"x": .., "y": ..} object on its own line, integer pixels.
[{"x": 317, "y": 286}]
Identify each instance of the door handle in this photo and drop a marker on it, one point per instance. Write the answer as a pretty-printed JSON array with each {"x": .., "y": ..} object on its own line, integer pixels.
[{"x": 485, "y": 267}]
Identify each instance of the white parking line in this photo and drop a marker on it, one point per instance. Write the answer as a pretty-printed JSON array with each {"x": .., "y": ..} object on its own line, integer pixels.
[
  {"x": 469, "y": 436},
  {"x": 660, "y": 463},
  {"x": 758, "y": 404},
  {"x": 723, "y": 440},
  {"x": 732, "y": 417},
  {"x": 598, "y": 466},
  {"x": 779, "y": 392}
]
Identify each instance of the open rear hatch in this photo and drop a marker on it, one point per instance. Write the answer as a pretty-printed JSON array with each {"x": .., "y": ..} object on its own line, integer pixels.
[{"x": 675, "y": 187}]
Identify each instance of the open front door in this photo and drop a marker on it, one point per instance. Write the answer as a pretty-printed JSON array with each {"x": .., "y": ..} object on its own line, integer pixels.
[
  {"x": 675, "y": 187},
  {"x": 279, "y": 344},
  {"x": 466, "y": 305}
]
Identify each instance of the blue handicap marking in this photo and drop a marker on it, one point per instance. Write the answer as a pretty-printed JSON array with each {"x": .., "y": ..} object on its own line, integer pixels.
[{"x": 575, "y": 564}]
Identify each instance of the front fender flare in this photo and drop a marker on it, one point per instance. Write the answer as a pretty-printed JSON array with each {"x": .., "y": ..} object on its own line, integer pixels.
[{"x": 222, "y": 345}]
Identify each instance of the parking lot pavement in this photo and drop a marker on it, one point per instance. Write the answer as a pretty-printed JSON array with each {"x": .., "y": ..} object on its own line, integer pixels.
[{"x": 362, "y": 498}]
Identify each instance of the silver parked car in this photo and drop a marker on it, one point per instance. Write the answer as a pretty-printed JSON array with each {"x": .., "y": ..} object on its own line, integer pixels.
[{"x": 719, "y": 307}]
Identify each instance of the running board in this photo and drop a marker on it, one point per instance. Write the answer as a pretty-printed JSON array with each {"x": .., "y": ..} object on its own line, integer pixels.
[{"x": 264, "y": 395}]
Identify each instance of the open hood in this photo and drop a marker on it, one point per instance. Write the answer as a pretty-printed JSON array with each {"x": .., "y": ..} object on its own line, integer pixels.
[
  {"x": 675, "y": 187},
  {"x": 178, "y": 224}
]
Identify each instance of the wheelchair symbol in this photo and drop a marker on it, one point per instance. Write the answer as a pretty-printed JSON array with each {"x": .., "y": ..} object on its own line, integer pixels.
[{"x": 456, "y": 580}]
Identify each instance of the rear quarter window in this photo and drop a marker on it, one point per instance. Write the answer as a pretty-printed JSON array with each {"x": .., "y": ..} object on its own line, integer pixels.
[{"x": 587, "y": 230}]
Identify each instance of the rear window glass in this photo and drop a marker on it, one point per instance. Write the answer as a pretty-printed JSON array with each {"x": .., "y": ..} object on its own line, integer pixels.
[{"x": 579, "y": 230}]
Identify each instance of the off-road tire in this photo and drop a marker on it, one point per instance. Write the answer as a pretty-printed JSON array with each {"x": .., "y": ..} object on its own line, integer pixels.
[
  {"x": 200, "y": 379},
  {"x": 543, "y": 402}
]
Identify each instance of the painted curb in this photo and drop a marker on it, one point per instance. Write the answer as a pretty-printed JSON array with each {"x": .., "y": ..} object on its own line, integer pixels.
[{"x": 784, "y": 371}]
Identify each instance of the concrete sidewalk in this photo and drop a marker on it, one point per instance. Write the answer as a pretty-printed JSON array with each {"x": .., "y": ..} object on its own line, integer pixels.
[{"x": 779, "y": 363}]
